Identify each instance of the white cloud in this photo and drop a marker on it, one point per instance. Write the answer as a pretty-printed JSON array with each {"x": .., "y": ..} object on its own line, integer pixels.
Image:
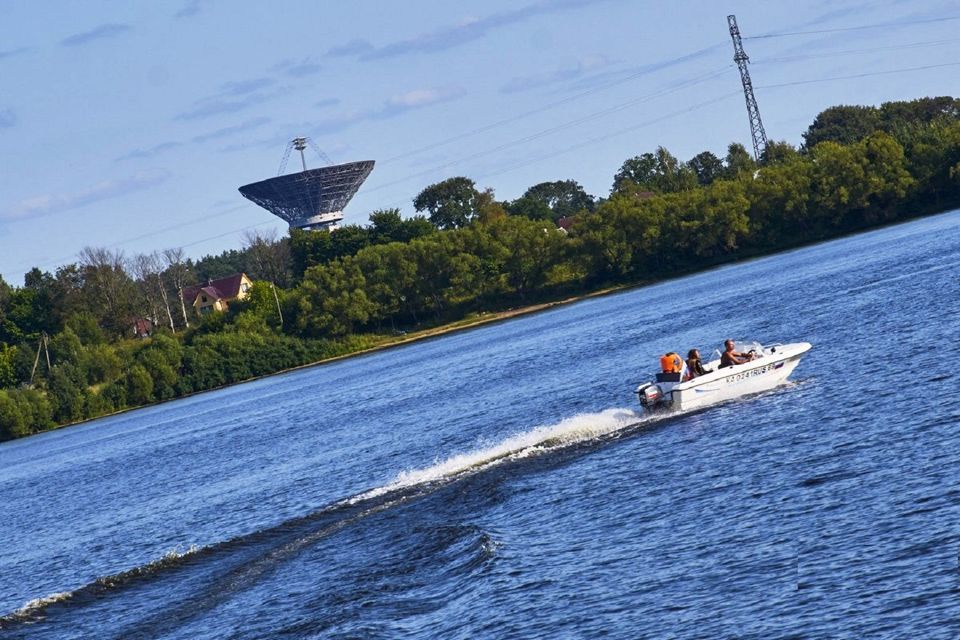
[{"x": 424, "y": 97}]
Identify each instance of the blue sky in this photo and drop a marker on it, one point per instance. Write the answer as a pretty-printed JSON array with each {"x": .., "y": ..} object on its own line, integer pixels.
[{"x": 131, "y": 125}]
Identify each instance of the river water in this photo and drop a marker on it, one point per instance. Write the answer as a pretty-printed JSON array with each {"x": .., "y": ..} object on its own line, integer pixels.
[{"x": 498, "y": 482}]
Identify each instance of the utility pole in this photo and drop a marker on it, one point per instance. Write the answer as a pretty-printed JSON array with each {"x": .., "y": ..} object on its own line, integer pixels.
[
  {"x": 753, "y": 111},
  {"x": 41, "y": 344},
  {"x": 275, "y": 297}
]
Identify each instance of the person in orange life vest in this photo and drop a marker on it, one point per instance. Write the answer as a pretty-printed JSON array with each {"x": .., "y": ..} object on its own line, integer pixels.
[{"x": 672, "y": 363}]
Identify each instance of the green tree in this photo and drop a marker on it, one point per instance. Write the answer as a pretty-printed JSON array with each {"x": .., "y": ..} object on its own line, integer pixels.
[
  {"x": 562, "y": 197},
  {"x": 706, "y": 166},
  {"x": 386, "y": 225},
  {"x": 532, "y": 248},
  {"x": 8, "y": 372},
  {"x": 780, "y": 203},
  {"x": 110, "y": 291},
  {"x": 84, "y": 325},
  {"x": 778, "y": 152},
  {"x": 65, "y": 347},
  {"x": 738, "y": 161},
  {"x": 139, "y": 386},
  {"x": 639, "y": 171},
  {"x": 531, "y": 208},
  {"x": 659, "y": 171},
  {"x": 66, "y": 388},
  {"x": 14, "y": 423},
  {"x": 451, "y": 203},
  {"x": 843, "y": 124},
  {"x": 102, "y": 364},
  {"x": 390, "y": 276},
  {"x": 332, "y": 300},
  {"x": 622, "y": 238},
  {"x": 447, "y": 276}
]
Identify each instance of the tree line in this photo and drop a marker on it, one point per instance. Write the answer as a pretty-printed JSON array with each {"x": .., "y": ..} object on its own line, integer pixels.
[{"x": 67, "y": 350}]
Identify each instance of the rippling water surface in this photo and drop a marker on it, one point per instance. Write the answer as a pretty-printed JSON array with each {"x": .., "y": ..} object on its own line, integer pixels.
[{"x": 497, "y": 483}]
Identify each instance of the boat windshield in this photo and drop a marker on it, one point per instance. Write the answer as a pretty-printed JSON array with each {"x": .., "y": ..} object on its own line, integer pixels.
[{"x": 742, "y": 346}]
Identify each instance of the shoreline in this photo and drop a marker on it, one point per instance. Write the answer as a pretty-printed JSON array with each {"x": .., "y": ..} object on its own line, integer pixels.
[
  {"x": 493, "y": 317},
  {"x": 490, "y": 317}
]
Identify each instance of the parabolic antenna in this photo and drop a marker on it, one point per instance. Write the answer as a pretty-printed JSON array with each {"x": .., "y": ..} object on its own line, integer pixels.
[{"x": 312, "y": 198}]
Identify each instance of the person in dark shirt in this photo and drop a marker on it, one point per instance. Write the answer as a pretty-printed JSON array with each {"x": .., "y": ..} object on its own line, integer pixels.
[
  {"x": 694, "y": 366},
  {"x": 731, "y": 356}
]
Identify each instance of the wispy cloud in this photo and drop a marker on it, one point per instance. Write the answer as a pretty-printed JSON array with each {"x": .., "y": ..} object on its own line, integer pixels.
[
  {"x": 298, "y": 68},
  {"x": 326, "y": 102},
  {"x": 190, "y": 9},
  {"x": 232, "y": 97},
  {"x": 394, "y": 106},
  {"x": 455, "y": 35},
  {"x": 220, "y": 104},
  {"x": 562, "y": 74},
  {"x": 223, "y": 132},
  {"x": 246, "y": 125},
  {"x": 149, "y": 152},
  {"x": 243, "y": 87},
  {"x": 355, "y": 47},
  {"x": 9, "y": 53},
  {"x": 7, "y": 118},
  {"x": 109, "y": 30},
  {"x": 590, "y": 80},
  {"x": 47, "y": 204}
]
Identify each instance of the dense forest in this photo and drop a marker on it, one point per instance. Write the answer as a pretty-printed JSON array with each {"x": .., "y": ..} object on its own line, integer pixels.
[{"x": 67, "y": 345}]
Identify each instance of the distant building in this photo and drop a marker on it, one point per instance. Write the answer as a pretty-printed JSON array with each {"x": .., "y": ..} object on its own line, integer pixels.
[
  {"x": 564, "y": 223},
  {"x": 142, "y": 327},
  {"x": 216, "y": 295}
]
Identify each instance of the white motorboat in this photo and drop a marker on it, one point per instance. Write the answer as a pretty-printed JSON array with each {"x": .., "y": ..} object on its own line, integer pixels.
[{"x": 771, "y": 365}]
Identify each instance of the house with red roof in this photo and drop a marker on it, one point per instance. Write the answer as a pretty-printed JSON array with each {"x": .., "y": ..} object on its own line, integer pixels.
[{"x": 216, "y": 295}]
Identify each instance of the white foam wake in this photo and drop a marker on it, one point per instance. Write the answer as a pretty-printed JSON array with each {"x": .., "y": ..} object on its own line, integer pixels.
[
  {"x": 580, "y": 428},
  {"x": 39, "y": 604}
]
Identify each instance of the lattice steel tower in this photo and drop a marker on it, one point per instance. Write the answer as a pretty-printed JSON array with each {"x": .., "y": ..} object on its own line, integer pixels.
[{"x": 753, "y": 111}]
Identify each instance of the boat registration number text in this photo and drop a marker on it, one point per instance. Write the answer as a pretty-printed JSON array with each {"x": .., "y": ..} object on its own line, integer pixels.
[{"x": 737, "y": 377}]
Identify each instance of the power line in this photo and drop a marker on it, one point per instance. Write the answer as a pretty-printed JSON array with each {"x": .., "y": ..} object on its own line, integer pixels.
[
  {"x": 860, "y": 75},
  {"x": 651, "y": 68},
  {"x": 549, "y": 131},
  {"x": 673, "y": 114},
  {"x": 228, "y": 233},
  {"x": 881, "y": 25},
  {"x": 118, "y": 243},
  {"x": 831, "y": 54},
  {"x": 594, "y": 140}
]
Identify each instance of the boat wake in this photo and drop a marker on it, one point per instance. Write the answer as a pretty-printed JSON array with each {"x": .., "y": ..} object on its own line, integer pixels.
[
  {"x": 577, "y": 429},
  {"x": 252, "y": 555}
]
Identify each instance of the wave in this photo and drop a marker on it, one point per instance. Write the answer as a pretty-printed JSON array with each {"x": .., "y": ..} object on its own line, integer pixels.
[
  {"x": 35, "y": 610},
  {"x": 277, "y": 543},
  {"x": 577, "y": 429}
]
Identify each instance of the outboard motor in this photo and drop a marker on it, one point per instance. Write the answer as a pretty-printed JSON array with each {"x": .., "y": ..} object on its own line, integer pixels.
[
  {"x": 672, "y": 371},
  {"x": 650, "y": 395}
]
